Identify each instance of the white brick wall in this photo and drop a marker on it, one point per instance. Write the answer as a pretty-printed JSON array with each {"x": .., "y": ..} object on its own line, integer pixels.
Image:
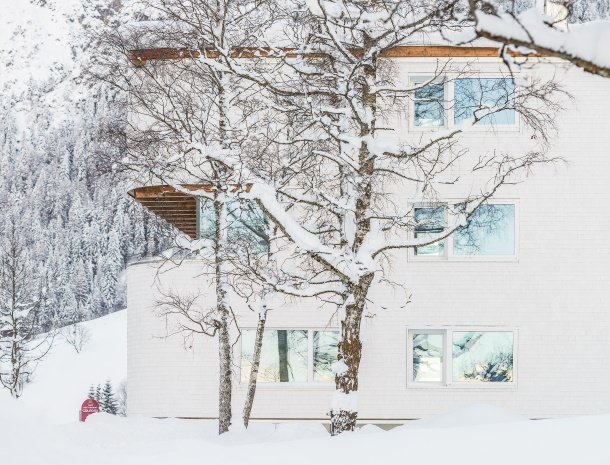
[{"x": 556, "y": 294}]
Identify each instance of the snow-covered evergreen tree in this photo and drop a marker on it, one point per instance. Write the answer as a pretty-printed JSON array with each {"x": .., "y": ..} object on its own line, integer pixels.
[{"x": 108, "y": 402}]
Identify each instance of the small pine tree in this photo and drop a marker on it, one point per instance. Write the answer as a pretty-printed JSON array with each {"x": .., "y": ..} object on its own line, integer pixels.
[
  {"x": 91, "y": 394},
  {"x": 108, "y": 403},
  {"x": 98, "y": 394}
]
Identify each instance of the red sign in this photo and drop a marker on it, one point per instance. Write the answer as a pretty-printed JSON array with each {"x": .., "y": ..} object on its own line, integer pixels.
[{"x": 89, "y": 406}]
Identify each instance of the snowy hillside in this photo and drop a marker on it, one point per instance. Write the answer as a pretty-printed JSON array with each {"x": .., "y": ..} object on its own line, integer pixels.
[
  {"x": 70, "y": 210},
  {"x": 62, "y": 379}
]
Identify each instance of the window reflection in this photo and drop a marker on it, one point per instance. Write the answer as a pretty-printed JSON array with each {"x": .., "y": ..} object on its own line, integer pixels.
[
  {"x": 430, "y": 222},
  {"x": 247, "y": 224},
  {"x": 284, "y": 355},
  {"x": 429, "y": 110},
  {"x": 324, "y": 354},
  {"x": 483, "y": 356},
  {"x": 484, "y": 93},
  {"x": 490, "y": 231},
  {"x": 427, "y": 357}
]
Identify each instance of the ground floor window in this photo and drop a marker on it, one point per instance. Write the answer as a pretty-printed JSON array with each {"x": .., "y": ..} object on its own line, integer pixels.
[
  {"x": 291, "y": 355},
  {"x": 452, "y": 356}
]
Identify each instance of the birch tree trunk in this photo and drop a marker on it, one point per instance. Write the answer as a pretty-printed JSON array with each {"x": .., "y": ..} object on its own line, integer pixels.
[
  {"x": 224, "y": 313},
  {"x": 256, "y": 358},
  {"x": 224, "y": 386}
]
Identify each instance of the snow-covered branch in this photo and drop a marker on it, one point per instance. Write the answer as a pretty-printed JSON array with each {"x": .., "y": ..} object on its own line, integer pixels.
[{"x": 584, "y": 45}]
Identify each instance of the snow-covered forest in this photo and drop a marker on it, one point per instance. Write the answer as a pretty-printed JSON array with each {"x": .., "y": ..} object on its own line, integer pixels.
[{"x": 74, "y": 220}]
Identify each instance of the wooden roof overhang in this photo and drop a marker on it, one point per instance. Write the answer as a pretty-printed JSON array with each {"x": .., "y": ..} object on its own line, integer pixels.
[
  {"x": 175, "y": 206},
  {"x": 140, "y": 57}
]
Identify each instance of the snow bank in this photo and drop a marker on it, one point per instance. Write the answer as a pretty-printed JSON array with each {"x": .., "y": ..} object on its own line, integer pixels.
[
  {"x": 105, "y": 439},
  {"x": 469, "y": 415}
]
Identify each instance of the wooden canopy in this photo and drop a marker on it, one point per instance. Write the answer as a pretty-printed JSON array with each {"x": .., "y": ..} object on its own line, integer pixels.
[{"x": 175, "y": 206}]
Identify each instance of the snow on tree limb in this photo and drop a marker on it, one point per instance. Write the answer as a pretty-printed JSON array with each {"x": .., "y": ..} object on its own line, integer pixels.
[{"x": 585, "y": 45}]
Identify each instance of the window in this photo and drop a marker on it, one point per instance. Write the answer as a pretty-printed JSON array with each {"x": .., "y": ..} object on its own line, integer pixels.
[
  {"x": 428, "y": 357},
  {"x": 428, "y": 104},
  {"x": 291, "y": 355},
  {"x": 469, "y": 97},
  {"x": 482, "y": 356},
  {"x": 473, "y": 94},
  {"x": 246, "y": 223},
  {"x": 324, "y": 354},
  {"x": 429, "y": 223},
  {"x": 445, "y": 357},
  {"x": 490, "y": 232}
]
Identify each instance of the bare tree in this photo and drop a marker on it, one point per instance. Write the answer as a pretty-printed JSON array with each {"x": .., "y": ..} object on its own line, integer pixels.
[
  {"x": 77, "y": 336},
  {"x": 256, "y": 357},
  {"x": 200, "y": 144},
  {"x": 121, "y": 395},
  {"x": 310, "y": 137},
  {"x": 22, "y": 302},
  {"x": 335, "y": 90}
]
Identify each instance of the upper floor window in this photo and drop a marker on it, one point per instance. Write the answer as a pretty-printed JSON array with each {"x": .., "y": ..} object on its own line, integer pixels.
[
  {"x": 291, "y": 355},
  {"x": 445, "y": 356},
  {"x": 490, "y": 232},
  {"x": 444, "y": 102},
  {"x": 246, "y": 223},
  {"x": 428, "y": 104},
  {"x": 430, "y": 223},
  {"x": 473, "y": 94}
]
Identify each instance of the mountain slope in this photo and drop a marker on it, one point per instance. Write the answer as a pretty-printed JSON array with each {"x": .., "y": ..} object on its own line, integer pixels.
[{"x": 69, "y": 206}]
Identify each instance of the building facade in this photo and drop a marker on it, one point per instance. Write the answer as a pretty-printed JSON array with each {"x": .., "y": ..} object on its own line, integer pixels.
[{"x": 518, "y": 318}]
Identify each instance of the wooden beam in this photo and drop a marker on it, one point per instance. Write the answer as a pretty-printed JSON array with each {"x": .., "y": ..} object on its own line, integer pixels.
[
  {"x": 163, "y": 191},
  {"x": 140, "y": 57}
]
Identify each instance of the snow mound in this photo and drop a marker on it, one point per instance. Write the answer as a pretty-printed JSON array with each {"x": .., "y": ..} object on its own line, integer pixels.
[
  {"x": 468, "y": 415},
  {"x": 104, "y": 439},
  {"x": 298, "y": 430}
]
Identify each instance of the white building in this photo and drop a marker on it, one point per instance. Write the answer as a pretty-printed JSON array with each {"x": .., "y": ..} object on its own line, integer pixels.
[{"x": 522, "y": 321}]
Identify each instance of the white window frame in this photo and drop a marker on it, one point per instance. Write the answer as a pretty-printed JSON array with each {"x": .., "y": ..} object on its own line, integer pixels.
[
  {"x": 310, "y": 383},
  {"x": 447, "y": 381},
  {"x": 445, "y": 254},
  {"x": 449, "y": 97},
  {"x": 448, "y": 250},
  {"x": 411, "y": 106}
]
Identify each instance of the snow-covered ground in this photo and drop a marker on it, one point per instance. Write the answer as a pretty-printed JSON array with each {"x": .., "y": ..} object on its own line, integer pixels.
[
  {"x": 62, "y": 380},
  {"x": 42, "y": 428}
]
